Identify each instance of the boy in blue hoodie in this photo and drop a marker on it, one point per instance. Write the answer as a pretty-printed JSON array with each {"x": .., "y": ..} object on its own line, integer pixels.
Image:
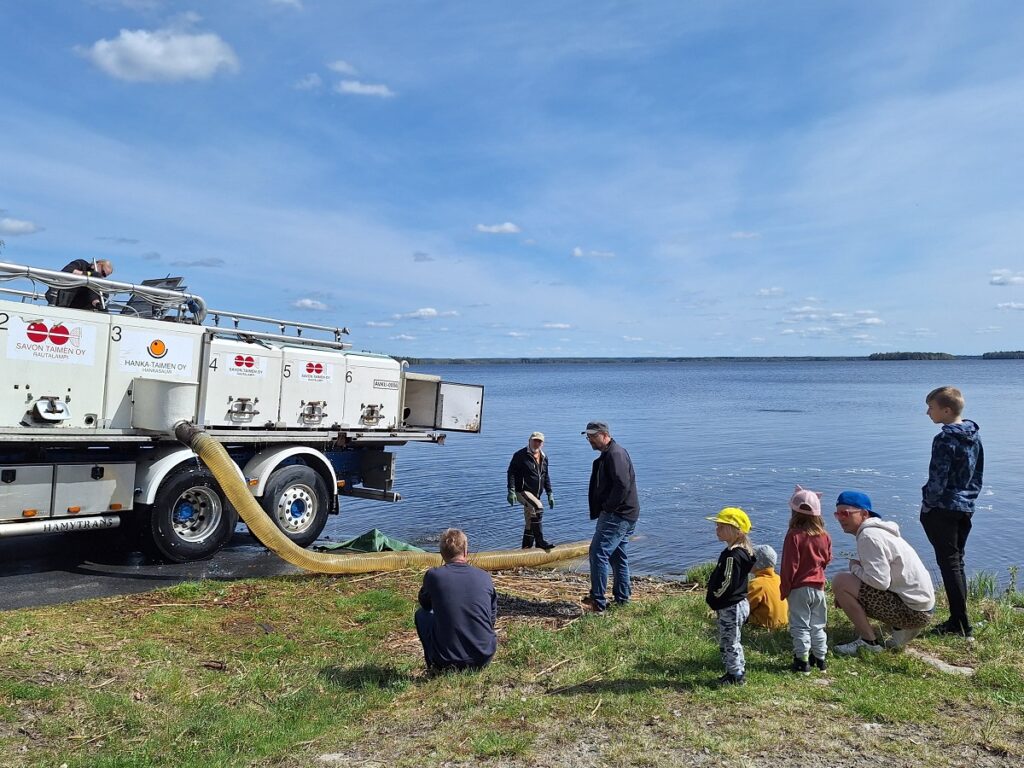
[{"x": 954, "y": 481}]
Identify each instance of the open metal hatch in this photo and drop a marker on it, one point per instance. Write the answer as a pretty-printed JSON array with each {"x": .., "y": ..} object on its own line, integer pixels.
[{"x": 430, "y": 403}]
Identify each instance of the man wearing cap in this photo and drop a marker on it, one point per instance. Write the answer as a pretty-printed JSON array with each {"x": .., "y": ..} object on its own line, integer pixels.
[
  {"x": 527, "y": 478},
  {"x": 614, "y": 504},
  {"x": 887, "y": 581}
]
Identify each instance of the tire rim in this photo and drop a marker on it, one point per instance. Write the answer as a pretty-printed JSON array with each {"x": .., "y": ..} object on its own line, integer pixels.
[
  {"x": 196, "y": 514},
  {"x": 296, "y": 508}
]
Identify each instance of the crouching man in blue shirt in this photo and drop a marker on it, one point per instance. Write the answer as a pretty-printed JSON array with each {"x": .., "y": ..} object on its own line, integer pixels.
[{"x": 458, "y": 610}]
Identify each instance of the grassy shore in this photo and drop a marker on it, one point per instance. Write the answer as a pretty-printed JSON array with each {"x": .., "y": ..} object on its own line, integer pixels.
[{"x": 303, "y": 671}]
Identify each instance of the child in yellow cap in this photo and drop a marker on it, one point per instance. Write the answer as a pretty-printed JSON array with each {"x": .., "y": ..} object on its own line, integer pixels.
[{"x": 727, "y": 590}]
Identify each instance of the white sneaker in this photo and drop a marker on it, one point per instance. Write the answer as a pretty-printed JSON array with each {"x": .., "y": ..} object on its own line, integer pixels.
[
  {"x": 851, "y": 648},
  {"x": 901, "y": 637}
]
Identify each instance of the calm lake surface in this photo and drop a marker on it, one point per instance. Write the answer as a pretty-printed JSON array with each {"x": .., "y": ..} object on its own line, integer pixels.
[{"x": 704, "y": 435}]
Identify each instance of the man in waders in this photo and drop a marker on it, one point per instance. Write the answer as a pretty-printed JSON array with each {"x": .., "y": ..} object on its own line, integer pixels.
[{"x": 527, "y": 479}]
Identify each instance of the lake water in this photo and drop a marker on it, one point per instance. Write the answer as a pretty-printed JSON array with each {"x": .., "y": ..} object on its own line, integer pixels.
[{"x": 704, "y": 435}]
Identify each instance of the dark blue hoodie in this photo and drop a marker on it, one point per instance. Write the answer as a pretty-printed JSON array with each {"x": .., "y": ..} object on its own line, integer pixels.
[{"x": 956, "y": 469}]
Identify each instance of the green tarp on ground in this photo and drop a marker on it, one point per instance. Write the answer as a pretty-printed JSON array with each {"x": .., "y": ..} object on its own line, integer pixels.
[{"x": 371, "y": 541}]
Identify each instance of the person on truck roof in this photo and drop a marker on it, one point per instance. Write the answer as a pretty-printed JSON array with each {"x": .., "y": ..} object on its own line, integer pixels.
[{"x": 81, "y": 297}]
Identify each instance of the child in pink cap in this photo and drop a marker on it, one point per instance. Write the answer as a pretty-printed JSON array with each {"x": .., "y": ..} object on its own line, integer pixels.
[{"x": 805, "y": 554}]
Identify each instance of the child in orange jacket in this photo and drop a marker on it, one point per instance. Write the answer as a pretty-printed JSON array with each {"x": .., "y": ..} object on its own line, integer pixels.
[{"x": 767, "y": 608}]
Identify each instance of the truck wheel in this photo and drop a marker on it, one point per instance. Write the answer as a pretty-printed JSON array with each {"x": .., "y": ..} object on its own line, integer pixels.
[
  {"x": 189, "y": 519},
  {"x": 296, "y": 500}
]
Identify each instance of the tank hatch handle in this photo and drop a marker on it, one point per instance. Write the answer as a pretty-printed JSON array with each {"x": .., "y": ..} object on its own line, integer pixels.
[
  {"x": 97, "y": 472},
  {"x": 243, "y": 408},
  {"x": 313, "y": 412},
  {"x": 51, "y": 408},
  {"x": 8, "y": 475}
]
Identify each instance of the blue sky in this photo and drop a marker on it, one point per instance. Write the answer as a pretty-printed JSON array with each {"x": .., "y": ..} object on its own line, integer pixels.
[{"x": 536, "y": 178}]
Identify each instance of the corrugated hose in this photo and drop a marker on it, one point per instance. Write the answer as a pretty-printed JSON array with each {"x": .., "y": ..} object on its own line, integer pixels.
[{"x": 213, "y": 455}]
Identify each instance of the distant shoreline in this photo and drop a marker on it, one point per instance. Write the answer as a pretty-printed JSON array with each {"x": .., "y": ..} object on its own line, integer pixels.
[{"x": 648, "y": 360}]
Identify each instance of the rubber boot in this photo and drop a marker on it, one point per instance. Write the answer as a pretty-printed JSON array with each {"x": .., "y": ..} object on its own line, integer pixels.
[{"x": 538, "y": 534}]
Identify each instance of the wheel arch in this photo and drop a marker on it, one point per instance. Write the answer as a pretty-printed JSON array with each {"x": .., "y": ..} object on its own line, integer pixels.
[
  {"x": 261, "y": 466},
  {"x": 152, "y": 472}
]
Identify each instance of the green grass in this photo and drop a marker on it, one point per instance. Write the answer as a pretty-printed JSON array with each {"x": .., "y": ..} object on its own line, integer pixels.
[
  {"x": 983, "y": 585},
  {"x": 278, "y": 672},
  {"x": 700, "y": 573}
]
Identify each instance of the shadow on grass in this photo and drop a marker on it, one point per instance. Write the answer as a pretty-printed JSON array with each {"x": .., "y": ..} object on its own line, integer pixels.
[
  {"x": 365, "y": 676},
  {"x": 512, "y": 606},
  {"x": 690, "y": 675}
]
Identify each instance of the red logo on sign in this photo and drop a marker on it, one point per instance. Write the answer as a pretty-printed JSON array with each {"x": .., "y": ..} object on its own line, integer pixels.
[
  {"x": 239, "y": 361},
  {"x": 59, "y": 335},
  {"x": 310, "y": 368},
  {"x": 249, "y": 362},
  {"x": 37, "y": 332},
  {"x": 318, "y": 368}
]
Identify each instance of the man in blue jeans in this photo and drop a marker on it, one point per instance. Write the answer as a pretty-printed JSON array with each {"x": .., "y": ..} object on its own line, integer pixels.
[{"x": 614, "y": 504}]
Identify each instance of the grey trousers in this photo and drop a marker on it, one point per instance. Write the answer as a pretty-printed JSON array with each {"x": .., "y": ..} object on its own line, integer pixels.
[
  {"x": 730, "y": 623},
  {"x": 808, "y": 612}
]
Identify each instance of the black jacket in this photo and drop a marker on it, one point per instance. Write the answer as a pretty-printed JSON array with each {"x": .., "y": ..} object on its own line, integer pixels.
[
  {"x": 728, "y": 583},
  {"x": 74, "y": 298},
  {"x": 613, "y": 485},
  {"x": 525, "y": 474}
]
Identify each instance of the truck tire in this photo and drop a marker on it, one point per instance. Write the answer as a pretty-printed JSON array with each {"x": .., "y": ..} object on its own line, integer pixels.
[
  {"x": 189, "y": 518},
  {"x": 296, "y": 500}
]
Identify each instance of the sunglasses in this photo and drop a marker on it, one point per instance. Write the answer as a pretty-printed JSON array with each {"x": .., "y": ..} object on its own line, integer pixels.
[{"x": 845, "y": 513}]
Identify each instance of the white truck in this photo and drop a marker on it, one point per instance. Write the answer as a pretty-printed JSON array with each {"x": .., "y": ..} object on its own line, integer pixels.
[{"x": 87, "y": 399}]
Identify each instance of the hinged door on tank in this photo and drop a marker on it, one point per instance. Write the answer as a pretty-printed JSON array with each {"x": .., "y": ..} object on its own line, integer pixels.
[
  {"x": 372, "y": 392},
  {"x": 312, "y": 388},
  {"x": 429, "y": 403},
  {"x": 148, "y": 349},
  {"x": 52, "y": 366},
  {"x": 240, "y": 385}
]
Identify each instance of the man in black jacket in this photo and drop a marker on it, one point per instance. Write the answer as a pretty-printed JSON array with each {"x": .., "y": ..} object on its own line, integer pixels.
[
  {"x": 458, "y": 610},
  {"x": 616, "y": 507},
  {"x": 81, "y": 297},
  {"x": 527, "y": 479}
]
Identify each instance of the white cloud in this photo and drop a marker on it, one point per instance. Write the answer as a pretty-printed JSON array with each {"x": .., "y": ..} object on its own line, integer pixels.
[
  {"x": 872, "y": 321},
  {"x": 557, "y": 326},
  {"x": 745, "y": 235},
  {"x": 775, "y": 291},
  {"x": 379, "y": 324},
  {"x": 1010, "y": 305},
  {"x": 632, "y": 338},
  {"x": 296, "y": 4},
  {"x": 579, "y": 253},
  {"x": 312, "y": 304},
  {"x": 517, "y": 334},
  {"x": 163, "y": 55},
  {"x": 309, "y": 82},
  {"x": 508, "y": 228},
  {"x": 16, "y": 227},
  {"x": 989, "y": 329},
  {"x": 403, "y": 337},
  {"x": 425, "y": 313},
  {"x": 341, "y": 67},
  {"x": 357, "y": 88},
  {"x": 1006, "y": 277},
  {"x": 865, "y": 312}
]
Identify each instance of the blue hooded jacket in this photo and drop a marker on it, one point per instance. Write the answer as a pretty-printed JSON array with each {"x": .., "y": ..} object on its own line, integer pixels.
[{"x": 956, "y": 469}]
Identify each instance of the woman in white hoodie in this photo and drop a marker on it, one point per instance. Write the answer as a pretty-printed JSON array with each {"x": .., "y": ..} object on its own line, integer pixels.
[{"x": 887, "y": 581}]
